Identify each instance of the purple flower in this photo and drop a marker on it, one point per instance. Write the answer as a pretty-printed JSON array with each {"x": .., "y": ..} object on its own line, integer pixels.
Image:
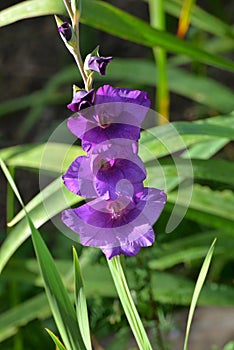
[
  {"x": 98, "y": 64},
  {"x": 120, "y": 226},
  {"x": 65, "y": 31},
  {"x": 106, "y": 173},
  {"x": 108, "y": 93},
  {"x": 118, "y": 113},
  {"x": 82, "y": 99}
]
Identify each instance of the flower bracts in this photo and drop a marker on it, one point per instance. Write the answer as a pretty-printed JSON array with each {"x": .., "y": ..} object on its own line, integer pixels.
[{"x": 120, "y": 216}]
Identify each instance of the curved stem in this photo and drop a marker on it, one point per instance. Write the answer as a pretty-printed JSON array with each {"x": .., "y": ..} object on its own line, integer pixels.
[
  {"x": 128, "y": 304},
  {"x": 75, "y": 50}
]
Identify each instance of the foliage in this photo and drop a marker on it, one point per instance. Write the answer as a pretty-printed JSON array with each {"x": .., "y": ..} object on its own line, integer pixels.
[{"x": 166, "y": 273}]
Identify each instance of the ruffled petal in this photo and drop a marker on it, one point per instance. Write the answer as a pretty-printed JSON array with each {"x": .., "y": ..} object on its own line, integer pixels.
[{"x": 117, "y": 227}]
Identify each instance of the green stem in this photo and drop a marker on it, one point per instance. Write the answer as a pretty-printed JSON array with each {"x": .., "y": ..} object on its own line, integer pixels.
[
  {"x": 68, "y": 7},
  {"x": 77, "y": 54},
  {"x": 157, "y": 20},
  {"x": 147, "y": 281},
  {"x": 128, "y": 304},
  {"x": 13, "y": 286},
  {"x": 74, "y": 14}
]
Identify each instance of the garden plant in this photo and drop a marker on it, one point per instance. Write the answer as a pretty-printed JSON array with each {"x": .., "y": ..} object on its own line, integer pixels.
[{"x": 125, "y": 216}]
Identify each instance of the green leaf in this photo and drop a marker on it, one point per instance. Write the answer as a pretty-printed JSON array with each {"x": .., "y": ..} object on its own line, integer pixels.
[
  {"x": 106, "y": 17},
  {"x": 169, "y": 288},
  {"x": 183, "y": 83},
  {"x": 219, "y": 203},
  {"x": 43, "y": 157},
  {"x": 212, "y": 169},
  {"x": 191, "y": 248},
  {"x": 128, "y": 304},
  {"x": 205, "y": 150},
  {"x": 201, "y": 19},
  {"x": 80, "y": 302},
  {"x": 31, "y": 8},
  {"x": 197, "y": 290},
  {"x": 208, "y": 207},
  {"x": 44, "y": 211},
  {"x": 180, "y": 82},
  {"x": 163, "y": 140},
  {"x": 184, "y": 18},
  {"x": 60, "y": 304},
  {"x": 43, "y": 195},
  {"x": 229, "y": 346},
  {"x": 55, "y": 339},
  {"x": 20, "y": 315}
]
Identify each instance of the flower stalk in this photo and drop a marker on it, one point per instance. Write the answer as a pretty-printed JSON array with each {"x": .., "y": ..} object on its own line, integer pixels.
[{"x": 128, "y": 304}]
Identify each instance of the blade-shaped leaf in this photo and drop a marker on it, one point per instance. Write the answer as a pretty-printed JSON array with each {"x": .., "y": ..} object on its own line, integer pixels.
[
  {"x": 184, "y": 17},
  {"x": 63, "y": 199},
  {"x": 60, "y": 303},
  {"x": 80, "y": 301},
  {"x": 201, "y": 19},
  {"x": 59, "y": 345},
  {"x": 219, "y": 203},
  {"x": 197, "y": 290},
  {"x": 212, "y": 169},
  {"x": 205, "y": 150},
  {"x": 106, "y": 17},
  {"x": 180, "y": 82},
  {"x": 193, "y": 247},
  {"x": 128, "y": 304},
  {"x": 11, "y": 320},
  {"x": 52, "y": 157}
]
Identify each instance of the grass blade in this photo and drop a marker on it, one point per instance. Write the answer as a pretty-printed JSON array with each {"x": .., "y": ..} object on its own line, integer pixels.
[
  {"x": 59, "y": 345},
  {"x": 184, "y": 18},
  {"x": 80, "y": 301},
  {"x": 197, "y": 290},
  {"x": 128, "y": 304}
]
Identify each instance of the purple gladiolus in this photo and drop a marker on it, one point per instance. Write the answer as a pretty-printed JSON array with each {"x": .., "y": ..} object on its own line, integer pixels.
[
  {"x": 99, "y": 64},
  {"x": 82, "y": 99},
  {"x": 120, "y": 216},
  {"x": 65, "y": 31},
  {"x": 120, "y": 226},
  {"x": 118, "y": 113},
  {"x": 106, "y": 173}
]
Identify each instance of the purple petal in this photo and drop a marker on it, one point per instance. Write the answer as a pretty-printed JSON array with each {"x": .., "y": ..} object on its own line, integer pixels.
[
  {"x": 120, "y": 226},
  {"x": 99, "y": 64},
  {"x": 79, "y": 178},
  {"x": 65, "y": 31},
  {"x": 100, "y": 175},
  {"x": 106, "y": 122},
  {"x": 107, "y": 93},
  {"x": 132, "y": 248},
  {"x": 82, "y": 99}
]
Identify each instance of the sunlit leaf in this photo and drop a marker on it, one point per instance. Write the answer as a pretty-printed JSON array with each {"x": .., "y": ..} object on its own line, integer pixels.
[
  {"x": 59, "y": 345},
  {"x": 104, "y": 16},
  {"x": 80, "y": 302},
  {"x": 197, "y": 290}
]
